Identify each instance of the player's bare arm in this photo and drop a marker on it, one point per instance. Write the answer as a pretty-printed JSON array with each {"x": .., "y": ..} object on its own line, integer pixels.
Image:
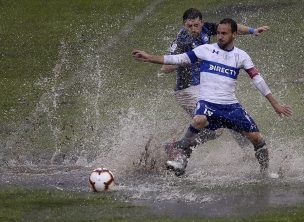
[
  {"x": 145, "y": 57},
  {"x": 179, "y": 59},
  {"x": 279, "y": 108},
  {"x": 242, "y": 29},
  {"x": 262, "y": 86}
]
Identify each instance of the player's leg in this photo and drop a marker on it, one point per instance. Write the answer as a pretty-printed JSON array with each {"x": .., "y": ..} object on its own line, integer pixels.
[
  {"x": 260, "y": 148},
  {"x": 183, "y": 147},
  {"x": 187, "y": 99},
  {"x": 190, "y": 137},
  {"x": 199, "y": 121},
  {"x": 241, "y": 140},
  {"x": 205, "y": 134},
  {"x": 238, "y": 119}
]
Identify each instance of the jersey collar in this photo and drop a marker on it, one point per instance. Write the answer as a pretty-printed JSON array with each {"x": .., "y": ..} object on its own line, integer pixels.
[{"x": 227, "y": 50}]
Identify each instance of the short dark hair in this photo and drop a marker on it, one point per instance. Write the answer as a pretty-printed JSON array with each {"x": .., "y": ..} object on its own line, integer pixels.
[
  {"x": 232, "y": 23},
  {"x": 192, "y": 13}
]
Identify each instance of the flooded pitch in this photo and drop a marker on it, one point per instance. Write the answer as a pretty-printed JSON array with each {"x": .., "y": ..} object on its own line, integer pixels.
[
  {"x": 210, "y": 188},
  {"x": 221, "y": 179},
  {"x": 177, "y": 197}
]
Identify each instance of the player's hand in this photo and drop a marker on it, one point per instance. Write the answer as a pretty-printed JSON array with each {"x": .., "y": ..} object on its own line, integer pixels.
[
  {"x": 283, "y": 110},
  {"x": 140, "y": 55},
  {"x": 260, "y": 30}
]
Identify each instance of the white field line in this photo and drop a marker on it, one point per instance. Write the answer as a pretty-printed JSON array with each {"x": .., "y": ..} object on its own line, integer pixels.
[
  {"x": 51, "y": 114},
  {"x": 12, "y": 142},
  {"x": 129, "y": 27}
]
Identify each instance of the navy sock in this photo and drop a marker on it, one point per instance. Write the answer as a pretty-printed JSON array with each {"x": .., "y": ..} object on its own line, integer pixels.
[
  {"x": 191, "y": 132},
  {"x": 193, "y": 129}
]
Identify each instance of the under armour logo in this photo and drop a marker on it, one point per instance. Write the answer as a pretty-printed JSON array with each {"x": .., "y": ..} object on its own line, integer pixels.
[{"x": 217, "y": 52}]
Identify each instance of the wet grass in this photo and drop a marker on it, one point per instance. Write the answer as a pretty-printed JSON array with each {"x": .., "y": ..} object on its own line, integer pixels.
[
  {"x": 31, "y": 34},
  {"x": 28, "y": 204}
]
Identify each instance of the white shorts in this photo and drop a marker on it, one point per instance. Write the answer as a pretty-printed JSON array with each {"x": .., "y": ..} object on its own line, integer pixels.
[{"x": 187, "y": 98}]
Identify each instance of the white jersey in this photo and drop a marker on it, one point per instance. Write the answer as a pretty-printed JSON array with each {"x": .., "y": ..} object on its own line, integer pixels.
[{"x": 219, "y": 70}]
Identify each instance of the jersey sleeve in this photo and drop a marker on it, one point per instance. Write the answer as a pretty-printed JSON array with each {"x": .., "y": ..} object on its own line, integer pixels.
[
  {"x": 197, "y": 54},
  {"x": 255, "y": 76},
  {"x": 248, "y": 66},
  {"x": 179, "y": 59},
  {"x": 200, "y": 52}
]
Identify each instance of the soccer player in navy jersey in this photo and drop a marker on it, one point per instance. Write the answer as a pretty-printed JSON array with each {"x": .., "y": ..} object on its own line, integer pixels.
[
  {"x": 196, "y": 32},
  {"x": 218, "y": 106}
]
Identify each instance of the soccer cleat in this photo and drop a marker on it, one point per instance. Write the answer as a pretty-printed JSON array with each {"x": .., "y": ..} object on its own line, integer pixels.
[
  {"x": 262, "y": 155},
  {"x": 177, "y": 153},
  {"x": 172, "y": 149},
  {"x": 179, "y": 163}
]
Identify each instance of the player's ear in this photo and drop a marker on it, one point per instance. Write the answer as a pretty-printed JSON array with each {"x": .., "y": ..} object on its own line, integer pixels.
[{"x": 234, "y": 34}]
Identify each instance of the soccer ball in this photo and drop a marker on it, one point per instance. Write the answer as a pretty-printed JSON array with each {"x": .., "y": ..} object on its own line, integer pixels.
[{"x": 101, "y": 179}]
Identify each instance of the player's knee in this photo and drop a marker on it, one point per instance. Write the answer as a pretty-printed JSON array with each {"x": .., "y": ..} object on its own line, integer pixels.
[
  {"x": 256, "y": 139},
  {"x": 200, "y": 121}
]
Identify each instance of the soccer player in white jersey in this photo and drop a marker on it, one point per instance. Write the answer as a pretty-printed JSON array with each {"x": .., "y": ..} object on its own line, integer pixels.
[
  {"x": 218, "y": 106},
  {"x": 196, "y": 32}
]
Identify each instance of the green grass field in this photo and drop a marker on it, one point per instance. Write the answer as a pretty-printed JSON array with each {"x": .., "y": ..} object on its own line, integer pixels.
[
  {"x": 67, "y": 76},
  {"x": 28, "y": 204}
]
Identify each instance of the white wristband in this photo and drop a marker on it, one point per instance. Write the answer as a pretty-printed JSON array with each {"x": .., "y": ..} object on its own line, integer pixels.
[{"x": 261, "y": 85}]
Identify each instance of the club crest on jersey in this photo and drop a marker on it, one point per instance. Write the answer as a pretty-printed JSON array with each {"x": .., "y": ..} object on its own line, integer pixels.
[
  {"x": 205, "y": 39},
  {"x": 173, "y": 47}
]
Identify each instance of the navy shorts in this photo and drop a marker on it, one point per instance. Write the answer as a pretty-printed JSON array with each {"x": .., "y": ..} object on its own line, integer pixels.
[{"x": 232, "y": 116}]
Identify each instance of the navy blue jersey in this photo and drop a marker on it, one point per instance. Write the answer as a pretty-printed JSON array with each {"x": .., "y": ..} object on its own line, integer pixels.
[{"x": 190, "y": 75}]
